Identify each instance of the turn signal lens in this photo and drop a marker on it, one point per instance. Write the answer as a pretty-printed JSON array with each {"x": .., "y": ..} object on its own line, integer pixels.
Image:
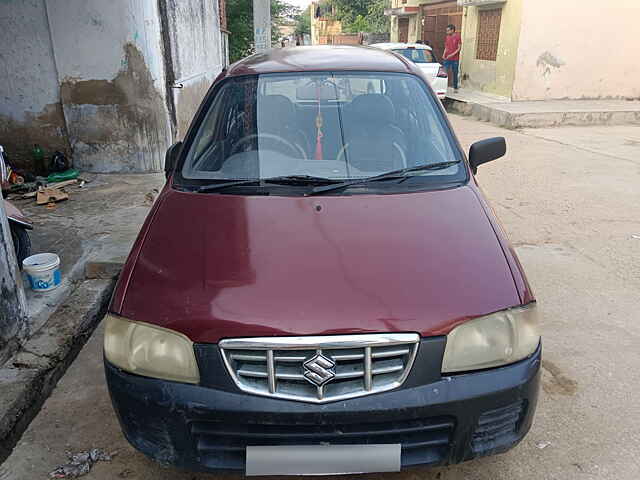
[
  {"x": 494, "y": 340},
  {"x": 149, "y": 351},
  {"x": 442, "y": 73}
]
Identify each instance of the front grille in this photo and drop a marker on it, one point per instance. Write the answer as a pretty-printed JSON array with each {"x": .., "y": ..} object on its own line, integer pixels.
[
  {"x": 497, "y": 428},
  {"x": 320, "y": 369},
  {"x": 423, "y": 441}
]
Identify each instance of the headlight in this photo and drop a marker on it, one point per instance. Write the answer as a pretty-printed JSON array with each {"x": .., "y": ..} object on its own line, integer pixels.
[
  {"x": 149, "y": 351},
  {"x": 497, "y": 339}
]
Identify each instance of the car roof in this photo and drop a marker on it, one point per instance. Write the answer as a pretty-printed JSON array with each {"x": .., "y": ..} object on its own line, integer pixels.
[
  {"x": 394, "y": 45},
  {"x": 322, "y": 58}
]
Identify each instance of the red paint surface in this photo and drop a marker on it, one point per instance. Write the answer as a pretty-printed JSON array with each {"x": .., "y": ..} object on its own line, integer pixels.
[
  {"x": 214, "y": 266},
  {"x": 323, "y": 58},
  {"x": 219, "y": 266}
]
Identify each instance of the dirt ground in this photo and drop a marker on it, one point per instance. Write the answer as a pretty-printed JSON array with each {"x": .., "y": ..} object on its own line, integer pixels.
[{"x": 569, "y": 199}]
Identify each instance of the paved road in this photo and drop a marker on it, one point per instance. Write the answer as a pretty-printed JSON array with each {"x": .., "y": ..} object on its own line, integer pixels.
[{"x": 571, "y": 205}]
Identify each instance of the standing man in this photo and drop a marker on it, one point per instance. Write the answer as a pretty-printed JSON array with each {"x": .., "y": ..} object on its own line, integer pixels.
[{"x": 451, "y": 57}]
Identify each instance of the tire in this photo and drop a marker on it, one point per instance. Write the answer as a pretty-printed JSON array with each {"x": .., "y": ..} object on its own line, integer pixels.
[{"x": 21, "y": 243}]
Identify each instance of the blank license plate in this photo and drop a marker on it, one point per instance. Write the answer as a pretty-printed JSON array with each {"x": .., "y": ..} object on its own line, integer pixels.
[{"x": 323, "y": 459}]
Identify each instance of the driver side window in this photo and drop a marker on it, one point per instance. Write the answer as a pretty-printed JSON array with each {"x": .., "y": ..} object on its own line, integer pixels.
[{"x": 230, "y": 118}]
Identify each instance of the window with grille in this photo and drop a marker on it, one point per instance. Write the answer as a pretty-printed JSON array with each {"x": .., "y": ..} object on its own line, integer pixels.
[{"x": 488, "y": 34}]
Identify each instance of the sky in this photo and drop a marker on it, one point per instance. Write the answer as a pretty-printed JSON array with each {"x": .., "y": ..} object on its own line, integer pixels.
[{"x": 300, "y": 3}]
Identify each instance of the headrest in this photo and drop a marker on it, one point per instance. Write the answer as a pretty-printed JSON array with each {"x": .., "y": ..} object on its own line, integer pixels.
[
  {"x": 274, "y": 108},
  {"x": 374, "y": 107}
]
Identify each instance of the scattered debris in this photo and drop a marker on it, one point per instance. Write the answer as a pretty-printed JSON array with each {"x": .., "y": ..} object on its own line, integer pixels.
[
  {"x": 59, "y": 163},
  {"x": 54, "y": 186},
  {"x": 150, "y": 197},
  {"x": 48, "y": 195},
  {"x": 81, "y": 463},
  {"x": 69, "y": 174},
  {"x": 543, "y": 445}
]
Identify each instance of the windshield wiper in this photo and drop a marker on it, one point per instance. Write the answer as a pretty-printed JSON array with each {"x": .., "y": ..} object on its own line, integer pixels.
[
  {"x": 402, "y": 173},
  {"x": 283, "y": 180}
]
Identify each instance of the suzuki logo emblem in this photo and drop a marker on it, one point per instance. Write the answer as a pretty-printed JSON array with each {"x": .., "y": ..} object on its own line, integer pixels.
[{"x": 319, "y": 370}]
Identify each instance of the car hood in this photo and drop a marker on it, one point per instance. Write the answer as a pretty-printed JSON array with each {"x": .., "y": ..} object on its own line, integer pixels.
[{"x": 222, "y": 266}]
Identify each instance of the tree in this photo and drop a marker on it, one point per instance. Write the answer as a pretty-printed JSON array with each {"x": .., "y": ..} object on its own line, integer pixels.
[
  {"x": 303, "y": 22},
  {"x": 378, "y": 21},
  {"x": 240, "y": 24},
  {"x": 361, "y": 15}
]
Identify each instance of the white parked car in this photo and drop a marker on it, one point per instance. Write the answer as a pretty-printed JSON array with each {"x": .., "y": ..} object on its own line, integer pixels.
[{"x": 423, "y": 56}]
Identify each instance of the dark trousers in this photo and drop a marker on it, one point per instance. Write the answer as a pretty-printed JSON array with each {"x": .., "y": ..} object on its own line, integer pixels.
[{"x": 453, "y": 64}]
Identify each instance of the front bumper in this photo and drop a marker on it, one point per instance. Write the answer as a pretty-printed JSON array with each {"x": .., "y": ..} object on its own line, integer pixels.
[{"x": 449, "y": 420}]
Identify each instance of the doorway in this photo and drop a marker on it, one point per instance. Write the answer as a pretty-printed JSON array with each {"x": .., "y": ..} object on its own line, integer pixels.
[
  {"x": 403, "y": 30},
  {"x": 435, "y": 20}
]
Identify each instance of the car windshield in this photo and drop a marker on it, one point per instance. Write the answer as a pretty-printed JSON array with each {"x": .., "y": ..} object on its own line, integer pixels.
[
  {"x": 416, "y": 55},
  {"x": 331, "y": 126}
]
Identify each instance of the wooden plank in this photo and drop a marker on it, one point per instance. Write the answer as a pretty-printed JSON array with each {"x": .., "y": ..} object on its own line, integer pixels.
[
  {"x": 50, "y": 195},
  {"x": 53, "y": 186}
]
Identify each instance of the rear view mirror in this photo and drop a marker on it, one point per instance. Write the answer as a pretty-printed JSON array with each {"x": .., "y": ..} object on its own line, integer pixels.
[
  {"x": 171, "y": 158},
  {"x": 486, "y": 150}
]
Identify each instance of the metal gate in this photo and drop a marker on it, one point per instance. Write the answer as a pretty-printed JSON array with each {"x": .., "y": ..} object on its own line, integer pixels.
[{"x": 435, "y": 20}]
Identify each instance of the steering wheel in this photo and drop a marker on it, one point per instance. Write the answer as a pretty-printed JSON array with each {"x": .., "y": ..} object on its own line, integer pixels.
[
  {"x": 400, "y": 150},
  {"x": 290, "y": 147}
]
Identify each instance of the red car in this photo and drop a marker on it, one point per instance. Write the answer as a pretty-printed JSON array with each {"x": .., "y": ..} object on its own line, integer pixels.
[{"x": 321, "y": 286}]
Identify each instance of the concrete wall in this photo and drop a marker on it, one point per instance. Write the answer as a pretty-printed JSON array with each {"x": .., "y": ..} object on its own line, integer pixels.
[
  {"x": 196, "y": 53},
  {"x": 94, "y": 77},
  {"x": 111, "y": 73},
  {"x": 415, "y": 28},
  {"x": 492, "y": 77},
  {"x": 13, "y": 319},
  {"x": 30, "y": 108},
  {"x": 393, "y": 28},
  {"x": 578, "y": 49}
]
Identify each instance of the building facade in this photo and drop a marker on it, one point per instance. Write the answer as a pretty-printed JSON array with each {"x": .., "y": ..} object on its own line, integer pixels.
[
  {"x": 424, "y": 20},
  {"x": 326, "y": 30},
  {"x": 549, "y": 49},
  {"x": 532, "y": 49}
]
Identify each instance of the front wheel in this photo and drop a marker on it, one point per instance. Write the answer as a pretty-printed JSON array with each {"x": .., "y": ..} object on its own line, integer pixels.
[{"x": 21, "y": 243}]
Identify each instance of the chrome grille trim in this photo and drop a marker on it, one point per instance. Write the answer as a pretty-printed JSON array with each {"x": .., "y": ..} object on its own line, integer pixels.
[{"x": 363, "y": 365}]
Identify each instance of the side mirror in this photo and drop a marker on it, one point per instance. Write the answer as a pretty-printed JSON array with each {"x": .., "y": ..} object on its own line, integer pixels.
[
  {"x": 171, "y": 158},
  {"x": 486, "y": 150}
]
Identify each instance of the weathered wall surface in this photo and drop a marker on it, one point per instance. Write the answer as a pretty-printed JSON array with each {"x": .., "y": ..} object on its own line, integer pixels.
[
  {"x": 111, "y": 74},
  {"x": 489, "y": 76},
  {"x": 193, "y": 29},
  {"x": 578, "y": 49},
  {"x": 94, "y": 77},
  {"x": 13, "y": 318},
  {"x": 30, "y": 109}
]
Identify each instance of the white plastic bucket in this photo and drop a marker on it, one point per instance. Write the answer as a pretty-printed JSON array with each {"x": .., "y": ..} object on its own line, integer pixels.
[{"x": 43, "y": 271}]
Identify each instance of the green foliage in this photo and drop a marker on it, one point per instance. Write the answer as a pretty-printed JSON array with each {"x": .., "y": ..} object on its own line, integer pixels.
[
  {"x": 359, "y": 24},
  {"x": 378, "y": 22},
  {"x": 240, "y": 24},
  {"x": 361, "y": 15},
  {"x": 303, "y": 22}
]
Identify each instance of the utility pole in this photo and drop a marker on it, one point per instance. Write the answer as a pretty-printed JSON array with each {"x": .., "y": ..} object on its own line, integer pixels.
[
  {"x": 262, "y": 25},
  {"x": 13, "y": 308}
]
